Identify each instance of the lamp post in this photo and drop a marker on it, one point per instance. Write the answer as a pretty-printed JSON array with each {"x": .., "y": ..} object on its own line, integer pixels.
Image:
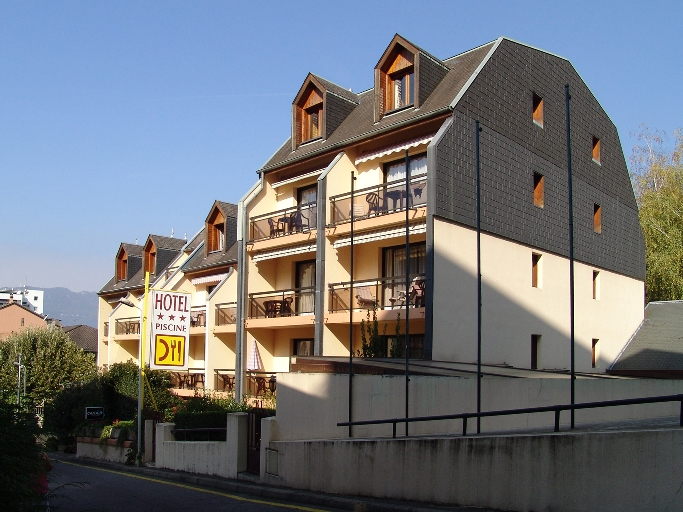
[
  {"x": 19, "y": 368},
  {"x": 140, "y": 376}
]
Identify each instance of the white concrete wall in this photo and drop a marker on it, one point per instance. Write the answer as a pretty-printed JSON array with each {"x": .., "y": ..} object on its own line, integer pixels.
[
  {"x": 101, "y": 452},
  {"x": 323, "y": 399},
  {"x": 605, "y": 471},
  {"x": 513, "y": 310},
  {"x": 220, "y": 458}
]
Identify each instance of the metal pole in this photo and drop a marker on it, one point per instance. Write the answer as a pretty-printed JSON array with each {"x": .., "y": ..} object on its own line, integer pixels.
[
  {"x": 477, "y": 130},
  {"x": 571, "y": 247},
  {"x": 353, "y": 179},
  {"x": 407, "y": 293},
  {"x": 19, "y": 382},
  {"x": 141, "y": 369}
]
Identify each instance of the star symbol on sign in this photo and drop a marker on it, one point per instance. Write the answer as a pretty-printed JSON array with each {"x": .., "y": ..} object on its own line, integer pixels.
[
  {"x": 160, "y": 316},
  {"x": 171, "y": 317},
  {"x": 182, "y": 318}
]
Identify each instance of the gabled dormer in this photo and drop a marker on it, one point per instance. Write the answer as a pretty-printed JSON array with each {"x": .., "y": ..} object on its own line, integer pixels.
[
  {"x": 221, "y": 227},
  {"x": 159, "y": 252},
  {"x": 405, "y": 76},
  {"x": 318, "y": 109},
  {"x": 128, "y": 261},
  {"x": 150, "y": 257}
]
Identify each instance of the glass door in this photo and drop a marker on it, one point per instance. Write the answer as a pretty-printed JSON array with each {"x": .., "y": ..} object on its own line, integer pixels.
[{"x": 305, "y": 278}]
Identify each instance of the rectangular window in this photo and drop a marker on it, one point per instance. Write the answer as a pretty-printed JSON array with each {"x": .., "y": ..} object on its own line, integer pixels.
[
  {"x": 538, "y": 110},
  {"x": 305, "y": 278},
  {"x": 594, "y": 353},
  {"x": 596, "y": 285},
  {"x": 303, "y": 347},
  {"x": 395, "y": 171},
  {"x": 538, "y": 190},
  {"x": 22, "y": 322},
  {"x": 307, "y": 195},
  {"x": 403, "y": 87},
  {"x": 535, "y": 270},
  {"x": 394, "y": 271},
  {"x": 596, "y": 150},
  {"x": 597, "y": 218},
  {"x": 535, "y": 346},
  {"x": 210, "y": 289}
]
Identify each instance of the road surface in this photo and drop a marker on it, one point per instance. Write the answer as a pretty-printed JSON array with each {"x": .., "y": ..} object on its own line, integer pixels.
[{"x": 80, "y": 488}]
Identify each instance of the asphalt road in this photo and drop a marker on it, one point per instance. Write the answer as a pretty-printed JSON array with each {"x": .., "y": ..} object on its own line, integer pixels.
[{"x": 79, "y": 488}]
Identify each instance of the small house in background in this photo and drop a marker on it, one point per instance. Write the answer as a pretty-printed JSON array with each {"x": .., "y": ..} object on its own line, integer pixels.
[
  {"x": 84, "y": 336},
  {"x": 14, "y": 317}
]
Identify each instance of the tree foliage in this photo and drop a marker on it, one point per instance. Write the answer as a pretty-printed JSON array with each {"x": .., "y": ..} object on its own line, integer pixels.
[
  {"x": 51, "y": 358},
  {"x": 658, "y": 183}
]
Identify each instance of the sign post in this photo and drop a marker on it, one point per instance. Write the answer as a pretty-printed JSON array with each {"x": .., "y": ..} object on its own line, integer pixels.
[{"x": 170, "y": 330}]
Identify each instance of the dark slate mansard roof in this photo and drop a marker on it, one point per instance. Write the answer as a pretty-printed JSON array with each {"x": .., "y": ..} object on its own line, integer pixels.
[{"x": 200, "y": 261}]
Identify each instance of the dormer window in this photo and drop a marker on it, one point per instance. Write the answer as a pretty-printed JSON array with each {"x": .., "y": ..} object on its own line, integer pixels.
[
  {"x": 215, "y": 231},
  {"x": 121, "y": 266},
  {"x": 397, "y": 77},
  {"x": 150, "y": 262},
  {"x": 309, "y": 114}
]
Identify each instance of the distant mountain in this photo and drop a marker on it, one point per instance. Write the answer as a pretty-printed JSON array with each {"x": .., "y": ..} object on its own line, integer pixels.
[{"x": 72, "y": 308}]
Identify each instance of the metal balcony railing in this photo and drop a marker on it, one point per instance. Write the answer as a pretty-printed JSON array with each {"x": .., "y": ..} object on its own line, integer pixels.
[
  {"x": 127, "y": 326},
  {"x": 383, "y": 292},
  {"x": 298, "y": 301},
  {"x": 106, "y": 329},
  {"x": 226, "y": 314},
  {"x": 298, "y": 219},
  {"x": 378, "y": 200},
  {"x": 198, "y": 317}
]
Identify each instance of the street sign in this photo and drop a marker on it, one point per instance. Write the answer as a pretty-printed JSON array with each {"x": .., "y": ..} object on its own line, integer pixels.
[
  {"x": 170, "y": 330},
  {"x": 94, "y": 413}
]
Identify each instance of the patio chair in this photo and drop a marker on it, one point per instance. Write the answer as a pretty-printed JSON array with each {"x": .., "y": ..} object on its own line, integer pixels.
[
  {"x": 417, "y": 292},
  {"x": 276, "y": 228},
  {"x": 364, "y": 297},
  {"x": 373, "y": 203},
  {"x": 298, "y": 222},
  {"x": 286, "y": 306}
]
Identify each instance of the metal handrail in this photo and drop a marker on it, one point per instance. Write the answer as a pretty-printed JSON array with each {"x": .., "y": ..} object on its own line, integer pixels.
[
  {"x": 395, "y": 285},
  {"x": 258, "y": 309},
  {"x": 253, "y": 221},
  {"x": 223, "y": 318},
  {"x": 129, "y": 325},
  {"x": 557, "y": 409}
]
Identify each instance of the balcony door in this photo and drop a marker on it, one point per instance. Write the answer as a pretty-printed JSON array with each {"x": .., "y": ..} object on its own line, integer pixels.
[
  {"x": 305, "y": 278},
  {"x": 394, "y": 268},
  {"x": 306, "y": 216}
]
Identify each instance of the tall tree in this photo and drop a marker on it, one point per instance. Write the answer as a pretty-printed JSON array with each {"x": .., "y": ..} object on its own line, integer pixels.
[
  {"x": 51, "y": 358},
  {"x": 658, "y": 183}
]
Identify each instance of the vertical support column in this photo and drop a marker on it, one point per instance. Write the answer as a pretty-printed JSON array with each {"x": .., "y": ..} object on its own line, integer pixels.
[
  {"x": 572, "y": 376},
  {"x": 407, "y": 292},
  {"x": 476, "y": 136}
]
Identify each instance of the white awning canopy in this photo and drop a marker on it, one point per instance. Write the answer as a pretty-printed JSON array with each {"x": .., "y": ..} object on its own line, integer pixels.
[
  {"x": 297, "y": 178},
  {"x": 395, "y": 148},
  {"x": 287, "y": 251},
  {"x": 374, "y": 236},
  {"x": 209, "y": 279}
]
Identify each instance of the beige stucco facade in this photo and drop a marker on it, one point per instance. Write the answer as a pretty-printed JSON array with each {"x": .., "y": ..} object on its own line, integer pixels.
[
  {"x": 14, "y": 318},
  {"x": 513, "y": 310}
]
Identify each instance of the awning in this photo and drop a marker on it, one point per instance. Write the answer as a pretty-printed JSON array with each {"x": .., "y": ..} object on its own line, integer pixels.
[
  {"x": 287, "y": 251},
  {"x": 395, "y": 148},
  {"x": 254, "y": 362},
  {"x": 297, "y": 178},
  {"x": 374, "y": 236},
  {"x": 217, "y": 278}
]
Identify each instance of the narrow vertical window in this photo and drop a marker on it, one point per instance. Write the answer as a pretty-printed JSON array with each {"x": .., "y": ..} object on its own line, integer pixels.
[
  {"x": 535, "y": 270},
  {"x": 538, "y": 190},
  {"x": 535, "y": 345},
  {"x": 22, "y": 322},
  {"x": 596, "y": 150},
  {"x": 538, "y": 110},
  {"x": 594, "y": 353},
  {"x": 597, "y": 218},
  {"x": 596, "y": 285}
]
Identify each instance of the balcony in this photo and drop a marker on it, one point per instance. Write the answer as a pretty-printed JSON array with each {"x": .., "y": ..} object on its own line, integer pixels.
[
  {"x": 127, "y": 326},
  {"x": 282, "y": 303},
  {"x": 298, "y": 219},
  {"x": 383, "y": 293},
  {"x": 198, "y": 317},
  {"x": 378, "y": 200},
  {"x": 225, "y": 318},
  {"x": 105, "y": 330}
]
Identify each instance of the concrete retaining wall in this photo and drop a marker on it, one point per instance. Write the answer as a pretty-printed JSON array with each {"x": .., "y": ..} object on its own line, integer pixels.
[
  {"x": 637, "y": 470},
  {"x": 324, "y": 398},
  {"x": 220, "y": 458},
  {"x": 94, "y": 450}
]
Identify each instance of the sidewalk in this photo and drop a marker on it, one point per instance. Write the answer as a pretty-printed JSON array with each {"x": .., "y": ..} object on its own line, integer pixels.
[{"x": 268, "y": 492}]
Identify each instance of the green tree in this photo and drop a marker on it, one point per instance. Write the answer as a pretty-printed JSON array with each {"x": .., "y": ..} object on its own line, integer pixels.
[
  {"x": 51, "y": 358},
  {"x": 658, "y": 183}
]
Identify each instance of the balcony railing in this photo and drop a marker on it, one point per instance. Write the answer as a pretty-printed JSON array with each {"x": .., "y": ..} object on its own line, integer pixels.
[
  {"x": 378, "y": 200},
  {"x": 106, "y": 329},
  {"x": 298, "y": 301},
  {"x": 226, "y": 314},
  {"x": 298, "y": 219},
  {"x": 384, "y": 293},
  {"x": 198, "y": 317},
  {"x": 127, "y": 326}
]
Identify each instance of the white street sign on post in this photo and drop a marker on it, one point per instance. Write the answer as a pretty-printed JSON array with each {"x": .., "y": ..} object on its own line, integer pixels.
[{"x": 170, "y": 330}]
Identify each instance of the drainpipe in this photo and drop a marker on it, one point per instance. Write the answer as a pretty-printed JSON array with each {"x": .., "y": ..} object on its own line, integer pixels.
[
  {"x": 572, "y": 377},
  {"x": 320, "y": 287},
  {"x": 240, "y": 331}
]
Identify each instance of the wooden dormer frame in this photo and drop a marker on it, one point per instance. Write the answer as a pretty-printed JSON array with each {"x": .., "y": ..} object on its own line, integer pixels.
[
  {"x": 310, "y": 98},
  {"x": 215, "y": 231},
  {"x": 402, "y": 58},
  {"x": 150, "y": 257},
  {"x": 121, "y": 265}
]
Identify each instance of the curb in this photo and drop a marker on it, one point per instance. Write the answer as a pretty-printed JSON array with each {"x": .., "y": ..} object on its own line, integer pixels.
[{"x": 302, "y": 497}]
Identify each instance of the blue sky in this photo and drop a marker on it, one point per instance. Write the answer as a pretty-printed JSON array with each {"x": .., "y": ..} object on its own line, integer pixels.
[{"x": 122, "y": 119}]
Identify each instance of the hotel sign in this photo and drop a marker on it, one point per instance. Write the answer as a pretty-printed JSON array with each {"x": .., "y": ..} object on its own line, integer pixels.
[{"x": 170, "y": 330}]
